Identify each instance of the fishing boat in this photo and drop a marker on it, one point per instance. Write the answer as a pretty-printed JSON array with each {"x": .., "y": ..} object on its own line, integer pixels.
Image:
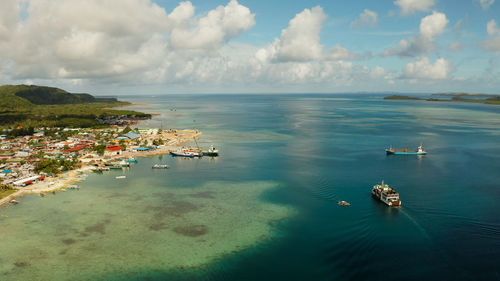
[
  {"x": 386, "y": 194},
  {"x": 396, "y": 151},
  {"x": 160, "y": 166},
  {"x": 212, "y": 151}
]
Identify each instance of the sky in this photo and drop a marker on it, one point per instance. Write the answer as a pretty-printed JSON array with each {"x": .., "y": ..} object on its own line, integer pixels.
[{"x": 113, "y": 47}]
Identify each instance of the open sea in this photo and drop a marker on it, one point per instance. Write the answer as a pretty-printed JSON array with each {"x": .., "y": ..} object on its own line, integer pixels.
[{"x": 266, "y": 209}]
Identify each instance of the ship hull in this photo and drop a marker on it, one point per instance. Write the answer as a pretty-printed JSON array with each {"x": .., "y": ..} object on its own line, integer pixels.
[{"x": 392, "y": 152}]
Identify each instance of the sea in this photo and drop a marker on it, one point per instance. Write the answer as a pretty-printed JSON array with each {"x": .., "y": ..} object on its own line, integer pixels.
[{"x": 266, "y": 208}]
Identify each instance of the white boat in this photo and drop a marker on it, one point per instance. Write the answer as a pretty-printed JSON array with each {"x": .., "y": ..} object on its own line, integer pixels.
[
  {"x": 386, "y": 194},
  {"x": 184, "y": 152},
  {"x": 120, "y": 177},
  {"x": 160, "y": 166}
]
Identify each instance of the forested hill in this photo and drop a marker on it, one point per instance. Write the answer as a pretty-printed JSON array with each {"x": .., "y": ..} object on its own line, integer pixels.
[
  {"x": 12, "y": 96},
  {"x": 40, "y": 106}
]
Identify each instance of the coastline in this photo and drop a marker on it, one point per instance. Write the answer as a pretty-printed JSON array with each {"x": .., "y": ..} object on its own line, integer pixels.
[{"x": 51, "y": 184}]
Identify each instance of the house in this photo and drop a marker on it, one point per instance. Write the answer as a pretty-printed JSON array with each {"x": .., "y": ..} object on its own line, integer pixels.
[{"x": 113, "y": 150}]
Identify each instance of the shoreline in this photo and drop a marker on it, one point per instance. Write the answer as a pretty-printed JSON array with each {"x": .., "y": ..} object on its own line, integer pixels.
[{"x": 62, "y": 181}]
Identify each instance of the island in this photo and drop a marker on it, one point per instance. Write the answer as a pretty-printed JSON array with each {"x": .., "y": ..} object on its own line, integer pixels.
[
  {"x": 460, "y": 97},
  {"x": 50, "y": 138}
]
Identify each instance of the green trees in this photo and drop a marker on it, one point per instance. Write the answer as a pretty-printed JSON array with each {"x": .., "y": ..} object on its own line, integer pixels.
[
  {"x": 54, "y": 166},
  {"x": 99, "y": 148}
]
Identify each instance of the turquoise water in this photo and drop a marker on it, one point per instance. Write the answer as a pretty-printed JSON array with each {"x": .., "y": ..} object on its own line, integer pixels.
[{"x": 266, "y": 208}]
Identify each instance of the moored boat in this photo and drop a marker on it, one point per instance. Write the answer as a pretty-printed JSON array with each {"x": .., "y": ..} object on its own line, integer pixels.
[
  {"x": 404, "y": 151},
  {"x": 386, "y": 194},
  {"x": 120, "y": 177},
  {"x": 212, "y": 151},
  {"x": 160, "y": 166},
  {"x": 185, "y": 152}
]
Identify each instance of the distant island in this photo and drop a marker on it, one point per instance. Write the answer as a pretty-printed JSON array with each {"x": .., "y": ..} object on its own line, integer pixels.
[
  {"x": 41, "y": 106},
  {"x": 461, "y": 97}
]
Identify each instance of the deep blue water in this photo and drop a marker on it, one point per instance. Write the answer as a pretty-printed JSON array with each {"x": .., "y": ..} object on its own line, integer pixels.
[{"x": 324, "y": 148}]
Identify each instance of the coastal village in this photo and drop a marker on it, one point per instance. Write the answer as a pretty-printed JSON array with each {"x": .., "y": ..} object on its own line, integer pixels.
[{"x": 48, "y": 159}]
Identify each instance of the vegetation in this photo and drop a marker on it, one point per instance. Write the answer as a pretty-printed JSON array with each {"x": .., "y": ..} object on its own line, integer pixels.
[
  {"x": 38, "y": 106},
  {"x": 477, "y": 98},
  {"x": 6, "y": 190},
  {"x": 55, "y": 166}
]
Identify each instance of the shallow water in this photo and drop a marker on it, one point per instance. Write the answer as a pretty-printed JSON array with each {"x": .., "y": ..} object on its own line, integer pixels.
[{"x": 266, "y": 208}]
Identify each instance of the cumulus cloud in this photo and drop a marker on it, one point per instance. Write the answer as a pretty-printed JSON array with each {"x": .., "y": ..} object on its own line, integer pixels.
[
  {"x": 424, "y": 69},
  {"x": 485, "y": 4},
  {"x": 115, "y": 39},
  {"x": 431, "y": 26},
  {"x": 218, "y": 26},
  {"x": 301, "y": 41},
  {"x": 412, "y": 6},
  {"x": 367, "y": 18},
  {"x": 493, "y": 42}
]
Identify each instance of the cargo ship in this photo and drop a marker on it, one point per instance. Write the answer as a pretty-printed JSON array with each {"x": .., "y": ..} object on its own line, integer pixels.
[
  {"x": 420, "y": 151},
  {"x": 386, "y": 194}
]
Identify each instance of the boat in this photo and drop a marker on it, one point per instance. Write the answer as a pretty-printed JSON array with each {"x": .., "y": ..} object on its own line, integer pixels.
[
  {"x": 160, "y": 166},
  {"x": 396, "y": 151},
  {"x": 185, "y": 152},
  {"x": 344, "y": 203},
  {"x": 130, "y": 160},
  {"x": 73, "y": 186},
  {"x": 386, "y": 194},
  {"x": 120, "y": 177},
  {"x": 212, "y": 151},
  {"x": 14, "y": 201},
  {"x": 118, "y": 163},
  {"x": 116, "y": 167}
]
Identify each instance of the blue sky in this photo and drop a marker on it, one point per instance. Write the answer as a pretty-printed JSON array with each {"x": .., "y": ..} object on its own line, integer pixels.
[{"x": 164, "y": 46}]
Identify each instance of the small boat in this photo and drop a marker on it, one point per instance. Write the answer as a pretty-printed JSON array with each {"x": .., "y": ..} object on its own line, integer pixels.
[
  {"x": 130, "y": 160},
  {"x": 118, "y": 163},
  {"x": 120, "y": 177},
  {"x": 14, "y": 201},
  {"x": 160, "y": 166},
  {"x": 116, "y": 167},
  {"x": 396, "y": 151},
  {"x": 386, "y": 194},
  {"x": 344, "y": 203},
  {"x": 212, "y": 151},
  {"x": 73, "y": 186}
]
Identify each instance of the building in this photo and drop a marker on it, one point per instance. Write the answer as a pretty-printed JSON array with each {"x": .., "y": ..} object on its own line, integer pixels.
[{"x": 113, "y": 150}]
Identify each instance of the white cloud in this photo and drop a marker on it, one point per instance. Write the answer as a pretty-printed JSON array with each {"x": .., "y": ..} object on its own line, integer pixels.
[
  {"x": 412, "y": 6},
  {"x": 367, "y": 18},
  {"x": 431, "y": 26},
  {"x": 424, "y": 69},
  {"x": 491, "y": 27},
  {"x": 493, "y": 42},
  {"x": 124, "y": 40},
  {"x": 339, "y": 53},
  {"x": 485, "y": 4},
  {"x": 217, "y": 27},
  {"x": 301, "y": 41}
]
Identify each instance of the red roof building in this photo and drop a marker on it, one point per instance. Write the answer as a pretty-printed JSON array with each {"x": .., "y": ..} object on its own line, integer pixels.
[
  {"x": 75, "y": 149},
  {"x": 114, "y": 148}
]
